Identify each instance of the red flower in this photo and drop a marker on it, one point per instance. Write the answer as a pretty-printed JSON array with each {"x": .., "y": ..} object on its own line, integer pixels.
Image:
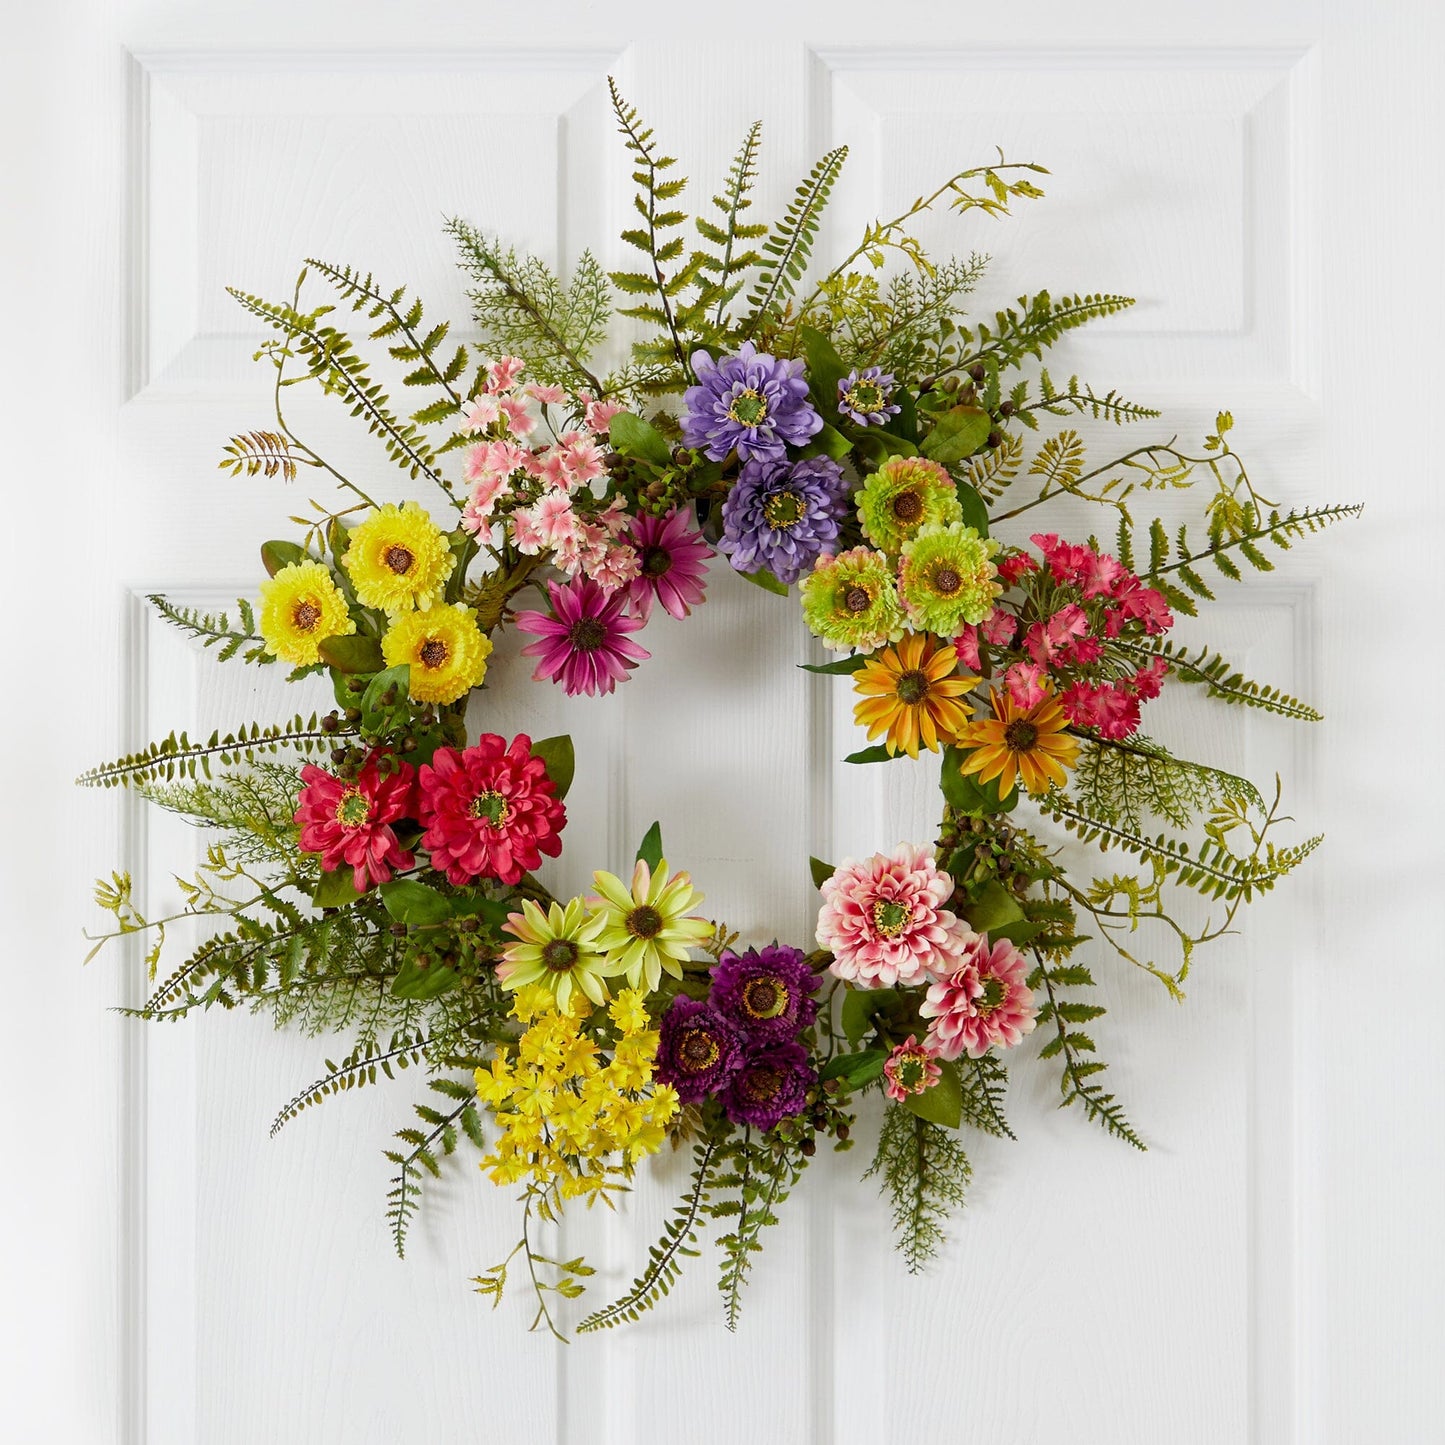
[
  {"x": 350, "y": 822},
  {"x": 490, "y": 811}
]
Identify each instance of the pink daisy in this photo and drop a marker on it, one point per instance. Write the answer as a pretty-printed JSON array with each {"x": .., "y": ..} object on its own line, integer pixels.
[
  {"x": 583, "y": 642},
  {"x": 985, "y": 1001},
  {"x": 884, "y": 921},
  {"x": 672, "y": 564},
  {"x": 910, "y": 1069},
  {"x": 350, "y": 821}
]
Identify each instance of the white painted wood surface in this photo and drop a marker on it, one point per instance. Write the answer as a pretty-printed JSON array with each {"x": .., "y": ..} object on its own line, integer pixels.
[{"x": 1271, "y": 1271}]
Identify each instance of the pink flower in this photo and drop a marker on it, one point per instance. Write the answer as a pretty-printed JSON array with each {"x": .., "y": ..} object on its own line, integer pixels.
[
  {"x": 1149, "y": 681},
  {"x": 581, "y": 456},
  {"x": 476, "y": 515},
  {"x": 551, "y": 469},
  {"x": 503, "y": 373},
  {"x": 520, "y": 422},
  {"x": 495, "y": 459},
  {"x": 1045, "y": 640},
  {"x": 490, "y": 811},
  {"x": 984, "y": 1001},
  {"x": 999, "y": 627},
  {"x": 910, "y": 1069},
  {"x": 617, "y": 566},
  {"x": 1027, "y": 684},
  {"x": 1100, "y": 574},
  {"x": 884, "y": 922},
  {"x": 526, "y": 534},
  {"x": 555, "y": 519},
  {"x": 1014, "y": 566},
  {"x": 1082, "y": 651},
  {"x": 672, "y": 564},
  {"x": 1068, "y": 561},
  {"x": 1109, "y": 709},
  {"x": 1134, "y": 602},
  {"x": 966, "y": 646},
  {"x": 350, "y": 821},
  {"x": 548, "y": 395},
  {"x": 479, "y": 413},
  {"x": 583, "y": 642},
  {"x": 598, "y": 414}
]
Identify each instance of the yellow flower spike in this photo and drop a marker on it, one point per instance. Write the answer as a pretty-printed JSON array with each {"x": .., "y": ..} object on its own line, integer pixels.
[{"x": 301, "y": 607}]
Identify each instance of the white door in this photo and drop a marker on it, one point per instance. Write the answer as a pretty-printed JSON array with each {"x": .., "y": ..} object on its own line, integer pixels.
[{"x": 1267, "y": 184}]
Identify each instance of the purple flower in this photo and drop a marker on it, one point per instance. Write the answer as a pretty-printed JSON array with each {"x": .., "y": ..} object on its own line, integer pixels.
[
  {"x": 863, "y": 396},
  {"x": 783, "y": 516},
  {"x": 752, "y": 402},
  {"x": 699, "y": 1050},
  {"x": 772, "y": 1084},
  {"x": 766, "y": 993}
]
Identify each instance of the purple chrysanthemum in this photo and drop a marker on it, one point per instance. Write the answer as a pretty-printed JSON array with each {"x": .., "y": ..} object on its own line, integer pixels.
[
  {"x": 772, "y": 1084},
  {"x": 672, "y": 563},
  {"x": 752, "y": 402},
  {"x": 766, "y": 992},
  {"x": 783, "y": 515},
  {"x": 698, "y": 1052},
  {"x": 864, "y": 397},
  {"x": 583, "y": 642}
]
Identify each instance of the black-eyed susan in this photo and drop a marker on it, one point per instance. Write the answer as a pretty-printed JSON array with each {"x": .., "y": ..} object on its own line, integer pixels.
[
  {"x": 913, "y": 694},
  {"x": 1019, "y": 744},
  {"x": 445, "y": 649},
  {"x": 397, "y": 559},
  {"x": 301, "y": 606}
]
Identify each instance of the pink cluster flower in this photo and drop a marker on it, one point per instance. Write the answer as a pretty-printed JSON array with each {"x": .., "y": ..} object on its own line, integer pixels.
[
  {"x": 597, "y": 415},
  {"x": 1112, "y": 708},
  {"x": 1098, "y": 575},
  {"x": 1014, "y": 565},
  {"x": 999, "y": 628},
  {"x": 982, "y": 1002}
]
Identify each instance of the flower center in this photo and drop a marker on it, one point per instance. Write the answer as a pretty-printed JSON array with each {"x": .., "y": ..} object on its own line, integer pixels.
[
  {"x": 760, "y": 1085},
  {"x": 644, "y": 922},
  {"x": 782, "y": 510},
  {"x": 857, "y": 599},
  {"x": 559, "y": 955},
  {"x": 907, "y": 506},
  {"x": 910, "y": 1073},
  {"x": 398, "y": 558},
  {"x": 353, "y": 809},
  {"x": 1020, "y": 735},
  {"x": 587, "y": 634},
  {"x": 656, "y": 561},
  {"x": 994, "y": 993},
  {"x": 434, "y": 652},
  {"x": 891, "y": 918},
  {"x": 946, "y": 581},
  {"x": 697, "y": 1051},
  {"x": 306, "y": 616},
  {"x": 764, "y": 998},
  {"x": 491, "y": 806},
  {"x": 912, "y": 688},
  {"x": 748, "y": 408},
  {"x": 864, "y": 396}
]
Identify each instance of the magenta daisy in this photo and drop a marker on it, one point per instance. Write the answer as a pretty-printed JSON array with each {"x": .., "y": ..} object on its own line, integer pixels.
[
  {"x": 672, "y": 564},
  {"x": 982, "y": 1002},
  {"x": 583, "y": 642}
]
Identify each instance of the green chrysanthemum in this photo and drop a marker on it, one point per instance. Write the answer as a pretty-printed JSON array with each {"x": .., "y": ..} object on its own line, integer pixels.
[
  {"x": 851, "y": 603},
  {"x": 904, "y": 494},
  {"x": 946, "y": 579}
]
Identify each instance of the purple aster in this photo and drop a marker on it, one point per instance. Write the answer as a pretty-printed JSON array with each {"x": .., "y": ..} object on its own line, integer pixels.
[
  {"x": 783, "y": 515},
  {"x": 699, "y": 1050},
  {"x": 752, "y": 402},
  {"x": 772, "y": 1084},
  {"x": 766, "y": 993},
  {"x": 864, "y": 396}
]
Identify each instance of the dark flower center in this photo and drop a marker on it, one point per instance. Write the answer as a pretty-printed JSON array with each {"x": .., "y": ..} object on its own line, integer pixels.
[
  {"x": 912, "y": 688},
  {"x": 434, "y": 652},
  {"x": 398, "y": 558},
  {"x": 492, "y": 807},
  {"x": 559, "y": 955},
  {"x": 857, "y": 598},
  {"x": 994, "y": 993},
  {"x": 306, "y": 616},
  {"x": 946, "y": 581},
  {"x": 1020, "y": 735},
  {"x": 697, "y": 1051},
  {"x": 644, "y": 922},
  {"x": 760, "y": 1084},
  {"x": 656, "y": 561},
  {"x": 353, "y": 809},
  {"x": 748, "y": 408},
  {"x": 891, "y": 918},
  {"x": 764, "y": 998},
  {"x": 907, "y": 506},
  {"x": 783, "y": 509},
  {"x": 587, "y": 634},
  {"x": 864, "y": 396}
]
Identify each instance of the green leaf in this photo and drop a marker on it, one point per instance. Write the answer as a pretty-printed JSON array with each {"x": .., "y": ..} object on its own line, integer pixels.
[
  {"x": 377, "y": 716},
  {"x": 943, "y": 1103},
  {"x": 994, "y": 907},
  {"x": 975, "y": 513},
  {"x": 821, "y": 871},
  {"x": 411, "y": 902},
  {"x": 825, "y": 370},
  {"x": 957, "y": 434},
  {"x": 651, "y": 850},
  {"x": 276, "y": 555},
  {"x": 876, "y": 754},
  {"x": 965, "y": 794},
  {"x": 829, "y": 442},
  {"x": 839, "y": 668},
  {"x": 629, "y": 433},
  {"x": 859, "y": 1007},
  {"x": 335, "y": 890},
  {"x": 765, "y": 579},
  {"x": 878, "y": 445},
  {"x": 352, "y": 654},
  {"x": 561, "y": 760},
  {"x": 855, "y": 1070},
  {"x": 423, "y": 983}
]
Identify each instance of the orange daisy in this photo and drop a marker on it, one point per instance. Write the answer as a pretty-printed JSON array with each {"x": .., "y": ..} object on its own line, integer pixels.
[
  {"x": 1019, "y": 743},
  {"x": 912, "y": 693}
]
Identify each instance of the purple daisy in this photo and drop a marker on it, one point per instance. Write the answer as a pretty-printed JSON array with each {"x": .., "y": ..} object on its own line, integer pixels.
[
  {"x": 698, "y": 1051},
  {"x": 783, "y": 515},
  {"x": 583, "y": 642},
  {"x": 672, "y": 563},
  {"x": 772, "y": 1084},
  {"x": 766, "y": 992},
  {"x": 864, "y": 396},
  {"x": 752, "y": 402}
]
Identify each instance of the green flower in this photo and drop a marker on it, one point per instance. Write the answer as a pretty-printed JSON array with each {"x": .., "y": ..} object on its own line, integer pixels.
[
  {"x": 946, "y": 579},
  {"x": 851, "y": 603},
  {"x": 904, "y": 494}
]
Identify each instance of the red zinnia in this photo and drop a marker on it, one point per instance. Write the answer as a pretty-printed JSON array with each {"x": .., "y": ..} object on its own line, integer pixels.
[
  {"x": 490, "y": 811},
  {"x": 350, "y": 821}
]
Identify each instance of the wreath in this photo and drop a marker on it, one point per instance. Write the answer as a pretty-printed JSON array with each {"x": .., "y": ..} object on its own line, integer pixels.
[{"x": 860, "y": 438}]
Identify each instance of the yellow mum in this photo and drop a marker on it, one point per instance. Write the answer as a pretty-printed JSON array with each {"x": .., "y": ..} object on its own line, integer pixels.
[
  {"x": 1029, "y": 744},
  {"x": 445, "y": 648},
  {"x": 398, "y": 559},
  {"x": 913, "y": 693},
  {"x": 301, "y": 606}
]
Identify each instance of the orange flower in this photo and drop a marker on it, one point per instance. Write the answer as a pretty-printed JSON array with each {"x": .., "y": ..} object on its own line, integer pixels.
[
  {"x": 1017, "y": 743},
  {"x": 912, "y": 693}
]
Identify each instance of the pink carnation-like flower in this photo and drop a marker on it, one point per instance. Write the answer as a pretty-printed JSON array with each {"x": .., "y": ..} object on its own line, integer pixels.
[
  {"x": 551, "y": 469},
  {"x": 598, "y": 414},
  {"x": 1149, "y": 681},
  {"x": 583, "y": 643},
  {"x": 581, "y": 457},
  {"x": 1101, "y": 574},
  {"x": 1013, "y": 566},
  {"x": 502, "y": 374},
  {"x": 548, "y": 395},
  {"x": 984, "y": 1001},
  {"x": 1134, "y": 602},
  {"x": 490, "y": 811},
  {"x": 1045, "y": 641},
  {"x": 910, "y": 1069},
  {"x": 1027, "y": 684},
  {"x": 1109, "y": 708},
  {"x": 497, "y": 458},
  {"x": 614, "y": 567},
  {"x": 999, "y": 627},
  {"x": 350, "y": 822},
  {"x": 884, "y": 921},
  {"x": 520, "y": 421},
  {"x": 479, "y": 413},
  {"x": 526, "y": 534},
  {"x": 477, "y": 514}
]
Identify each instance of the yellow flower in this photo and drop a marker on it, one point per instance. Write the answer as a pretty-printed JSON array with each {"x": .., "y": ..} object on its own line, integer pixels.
[
  {"x": 912, "y": 693},
  {"x": 1027, "y": 743},
  {"x": 629, "y": 1012},
  {"x": 645, "y": 931},
  {"x": 301, "y": 606},
  {"x": 557, "y": 951},
  {"x": 397, "y": 559},
  {"x": 445, "y": 649}
]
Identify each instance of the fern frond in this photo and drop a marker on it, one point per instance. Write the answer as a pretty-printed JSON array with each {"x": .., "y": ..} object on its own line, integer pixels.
[
  {"x": 356, "y": 1070},
  {"x": 1118, "y": 782},
  {"x": 925, "y": 1175},
  {"x": 1220, "y": 678},
  {"x": 262, "y": 453},
  {"x": 428, "y": 1148},
  {"x": 763, "y": 1180},
  {"x": 1279, "y": 529},
  {"x": 217, "y": 630},
  {"x": 984, "y": 1080},
  {"x": 1031, "y": 327}
]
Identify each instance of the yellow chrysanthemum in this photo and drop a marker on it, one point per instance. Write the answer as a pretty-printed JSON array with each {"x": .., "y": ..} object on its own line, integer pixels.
[
  {"x": 446, "y": 649},
  {"x": 645, "y": 928},
  {"x": 1019, "y": 744},
  {"x": 398, "y": 559},
  {"x": 301, "y": 606},
  {"x": 912, "y": 693}
]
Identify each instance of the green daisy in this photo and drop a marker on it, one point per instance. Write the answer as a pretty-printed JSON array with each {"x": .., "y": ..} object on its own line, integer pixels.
[
  {"x": 946, "y": 579},
  {"x": 904, "y": 494},
  {"x": 851, "y": 603}
]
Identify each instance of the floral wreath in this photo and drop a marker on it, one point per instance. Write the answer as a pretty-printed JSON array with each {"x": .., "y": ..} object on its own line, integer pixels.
[{"x": 860, "y": 439}]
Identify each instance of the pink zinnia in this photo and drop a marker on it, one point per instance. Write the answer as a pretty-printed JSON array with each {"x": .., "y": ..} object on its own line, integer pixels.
[
  {"x": 672, "y": 564},
  {"x": 490, "y": 811},
  {"x": 984, "y": 1001},
  {"x": 350, "y": 821},
  {"x": 910, "y": 1069},
  {"x": 583, "y": 642},
  {"x": 884, "y": 921}
]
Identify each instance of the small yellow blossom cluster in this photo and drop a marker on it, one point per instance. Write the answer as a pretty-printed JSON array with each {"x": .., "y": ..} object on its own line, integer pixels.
[{"x": 565, "y": 1108}]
